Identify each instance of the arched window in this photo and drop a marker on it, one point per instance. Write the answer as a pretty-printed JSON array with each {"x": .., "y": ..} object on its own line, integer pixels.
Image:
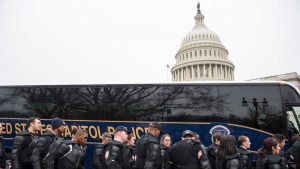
[{"x": 205, "y": 53}]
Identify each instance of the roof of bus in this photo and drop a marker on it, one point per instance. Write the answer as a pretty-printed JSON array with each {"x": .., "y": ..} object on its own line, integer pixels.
[
  {"x": 224, "y": 83},
  {"x": 168, "y": 83}
]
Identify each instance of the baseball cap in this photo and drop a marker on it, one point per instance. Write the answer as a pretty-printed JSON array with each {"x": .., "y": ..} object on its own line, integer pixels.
[
  {"x": 155, "y": 124},
  {"x": 187, "y": 133},
  {"x": 122, "y": 128}
]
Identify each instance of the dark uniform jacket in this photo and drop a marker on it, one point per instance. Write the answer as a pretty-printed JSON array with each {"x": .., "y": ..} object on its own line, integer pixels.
[
  {"x": 118, "y": 157},
  {"x": 165, "y": 151},
  {"x": 148, "y": 152},
  {"x": 212, "y": 154},
  {"x": 282, "y": 155},
  {"x": 98, "y": 158},
  {"x": 245, "y": 158},
  {"x": 68, "y": 155},
  {"x": 270, "y": 161},
  {"x": 132, "y": 155},
  {"x": 293, "y": 154},
  {"x": 42, "y": 149},
  {"x": 3, "y": 157},
  {"x": 73, "y": 156},
  {"x": 229, "y": 162},
  {"x": 23, "y": 146},
  {"x": 56, "y": 150},
  {"x": 184, "y": 155}
]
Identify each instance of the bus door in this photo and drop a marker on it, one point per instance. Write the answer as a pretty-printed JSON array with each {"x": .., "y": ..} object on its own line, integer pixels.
[{"x": 293, "y": 119}]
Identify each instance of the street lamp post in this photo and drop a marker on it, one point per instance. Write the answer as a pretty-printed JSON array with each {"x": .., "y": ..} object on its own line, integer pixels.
[{"x": 255, "y": 103}]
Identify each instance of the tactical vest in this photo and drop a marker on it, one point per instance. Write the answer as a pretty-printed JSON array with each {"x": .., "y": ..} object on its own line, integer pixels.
[
  {"x": 154, "y": 155},
  {"x": 98, "y": 158},
  {"x": 27, "y": 141},
  {"x": 120, "y": 153},
  {"x": 182, "y": 157}
]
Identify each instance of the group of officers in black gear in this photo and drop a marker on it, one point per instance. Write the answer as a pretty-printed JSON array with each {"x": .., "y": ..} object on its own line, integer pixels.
[
  {"x": 52, "y": 151},
  {"x": 149, "y": 152},
  {"x": 49, "y": 150}
]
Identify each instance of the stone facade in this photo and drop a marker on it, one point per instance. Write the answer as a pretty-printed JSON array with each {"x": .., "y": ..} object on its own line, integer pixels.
[
  {"x": 202, "y": 56},
  {"x": 292, "y": 78}
]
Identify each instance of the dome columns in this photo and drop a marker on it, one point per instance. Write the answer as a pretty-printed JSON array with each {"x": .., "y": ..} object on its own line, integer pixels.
[{"x": 203, "y": 72}]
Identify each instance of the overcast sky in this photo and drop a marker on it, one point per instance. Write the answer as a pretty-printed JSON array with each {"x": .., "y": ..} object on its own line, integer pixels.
[{"x": 132, "y": 41}]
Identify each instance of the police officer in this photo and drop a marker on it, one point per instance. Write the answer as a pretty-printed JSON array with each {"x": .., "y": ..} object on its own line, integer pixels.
[
  {"x": 24, "y": 143},
  {"x": 116, "y": 154},
  {"x": 3, "y": 157},
  {"x": 227, "y": 155},
  {"x": 204, "y": 161},
  {"x": 268, "y": 156},
  {"x": 42, "y": 149},
  {"x": 148, "y": 149},
  {"x": 71, "y": 154},
  {"x": 281, "y": 140},
  {"x": 245, "y": 155},
  {"x": 165, "y": 145},
  {"x": 186, "y": 153},
  {"x": 98, "y": 159},
  {"x": 130, "y": 144},
  {"x": 293, "y": 153},
  {"x": 213, "y": 148}
]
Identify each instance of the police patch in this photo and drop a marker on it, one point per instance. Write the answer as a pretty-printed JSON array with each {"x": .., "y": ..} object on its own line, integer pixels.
[{"x": 219, "y": 129}]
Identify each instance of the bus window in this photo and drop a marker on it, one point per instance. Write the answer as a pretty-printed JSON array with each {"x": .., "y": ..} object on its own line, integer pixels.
[
  {"x": 262, "y": 109},
  {"x": 293, "y": 116}
]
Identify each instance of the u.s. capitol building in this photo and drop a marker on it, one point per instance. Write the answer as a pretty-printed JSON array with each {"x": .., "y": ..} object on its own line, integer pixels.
[{"x": 202, "y": 55}]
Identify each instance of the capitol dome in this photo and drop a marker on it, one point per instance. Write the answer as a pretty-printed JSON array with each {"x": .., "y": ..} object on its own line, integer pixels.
[
  {"x": 200, "y": 34},
  {"x": 202, "y": 55}
]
